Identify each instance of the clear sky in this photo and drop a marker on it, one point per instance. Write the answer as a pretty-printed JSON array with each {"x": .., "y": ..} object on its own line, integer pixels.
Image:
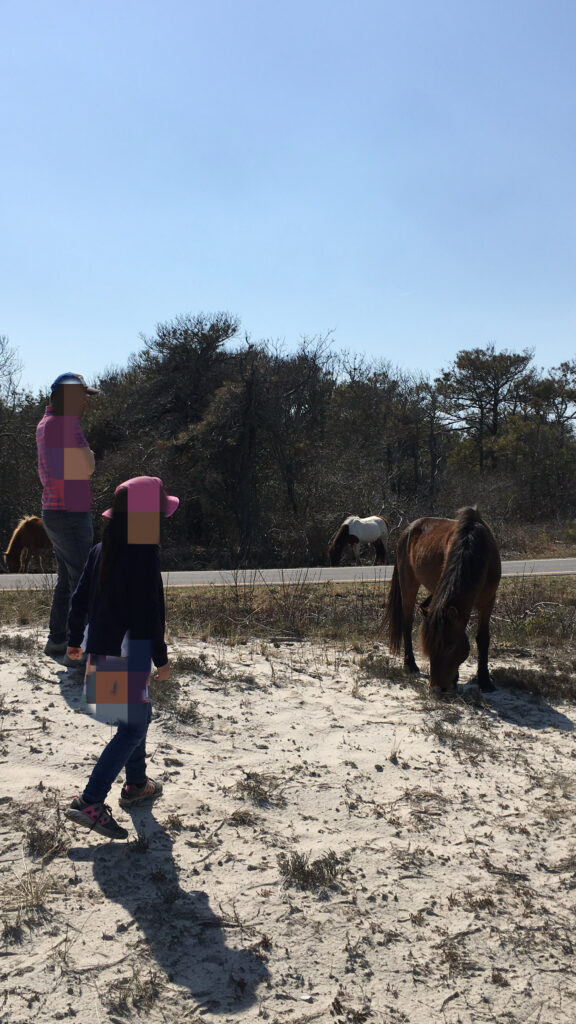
[{"x": 400, "y": 173}]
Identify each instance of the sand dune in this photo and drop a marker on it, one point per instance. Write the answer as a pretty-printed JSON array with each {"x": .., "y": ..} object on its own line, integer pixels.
[{"x": 330, "y": 846}]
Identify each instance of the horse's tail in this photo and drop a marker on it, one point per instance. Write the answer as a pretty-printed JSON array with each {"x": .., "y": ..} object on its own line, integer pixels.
[{"x": 393, "y": 614}]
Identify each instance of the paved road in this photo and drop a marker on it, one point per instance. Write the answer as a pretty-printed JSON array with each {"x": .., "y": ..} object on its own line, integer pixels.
[{"x": 366, "y": 573}]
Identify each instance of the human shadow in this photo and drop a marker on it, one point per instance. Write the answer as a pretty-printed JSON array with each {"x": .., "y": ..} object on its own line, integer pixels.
[
  {"x": 186, "y": 938},
  {"x": 71, "y": 683}
]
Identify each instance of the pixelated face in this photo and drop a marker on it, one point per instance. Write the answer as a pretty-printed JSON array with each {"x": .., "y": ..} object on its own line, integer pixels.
[
  {"x": 144, "y": 513},
  {"x": 75, "y": 399}
]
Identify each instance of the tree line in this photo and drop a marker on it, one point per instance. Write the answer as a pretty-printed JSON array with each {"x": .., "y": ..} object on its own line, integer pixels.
[{"x": 270, "y": 450}]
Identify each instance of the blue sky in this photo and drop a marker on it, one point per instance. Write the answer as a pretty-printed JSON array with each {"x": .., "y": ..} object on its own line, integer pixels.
[{"x": 401, "y": 174}]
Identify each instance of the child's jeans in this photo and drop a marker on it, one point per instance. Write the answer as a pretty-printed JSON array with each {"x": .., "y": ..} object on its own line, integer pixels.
[{"x": 127, "y": 748}]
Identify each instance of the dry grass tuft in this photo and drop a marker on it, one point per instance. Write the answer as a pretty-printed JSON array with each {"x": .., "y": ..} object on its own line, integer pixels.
[
  {"x": 135, "y": 994},
  {"x": 551, "y": 684},
  {"x": 26, "y": 892},
  {"x": 261, "y": 789},
  {"x": 463, "y": 740},
  {"x": 296, "y": 869},
  {"x": 17, "y": 642},
  {"x": 166, "y": 697},
  {"x": 241, "y": 818}
]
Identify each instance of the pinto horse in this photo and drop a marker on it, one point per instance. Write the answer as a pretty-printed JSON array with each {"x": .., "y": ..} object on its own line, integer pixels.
[
  {"x": 28, "y": 540},
  {"x": 458, "y": 562},
  {"x": 356, "y": 532}
]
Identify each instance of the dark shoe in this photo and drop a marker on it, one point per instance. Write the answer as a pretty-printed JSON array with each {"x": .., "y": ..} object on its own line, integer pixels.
[
  {"x": 97, "y": 817},
  {"x": 79, "y": 663},
  {"x": 52, "y": 647},
  {"x": 132, "y": 795}
]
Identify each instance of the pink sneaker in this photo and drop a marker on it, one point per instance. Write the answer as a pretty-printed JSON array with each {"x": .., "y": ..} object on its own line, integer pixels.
[
  {"x": 97, "y": 817},
  {"x": 132, "y": 795}
]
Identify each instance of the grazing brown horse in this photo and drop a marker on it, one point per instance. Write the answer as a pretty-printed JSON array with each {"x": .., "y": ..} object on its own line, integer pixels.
[
  {"x": 28, "y": 540},
  {"x": 458, "y": 562},
  {"x": 356, "y": 532}
]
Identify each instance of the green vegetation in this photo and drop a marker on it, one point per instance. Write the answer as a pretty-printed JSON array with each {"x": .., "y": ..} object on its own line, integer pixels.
[{"x": 269, "y": 451}]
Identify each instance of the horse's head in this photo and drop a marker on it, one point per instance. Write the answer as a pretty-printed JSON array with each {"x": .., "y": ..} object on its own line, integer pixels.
[
  {"x": 447, "y": 647},
  {"x": 12, "y": 561}
]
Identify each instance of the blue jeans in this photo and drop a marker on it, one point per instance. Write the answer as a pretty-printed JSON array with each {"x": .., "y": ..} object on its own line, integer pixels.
[
  {"x": 71, "y": 534},
  {"x": 126, "y": 749}
]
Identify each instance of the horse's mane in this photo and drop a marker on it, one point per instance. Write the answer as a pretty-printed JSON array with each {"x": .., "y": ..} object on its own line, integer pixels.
[
  {"x": 23, "y": 521},
  {"x": 464, "y": 567}
]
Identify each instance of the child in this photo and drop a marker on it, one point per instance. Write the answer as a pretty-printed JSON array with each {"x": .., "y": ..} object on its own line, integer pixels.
[{"x": 121, "y": 599}]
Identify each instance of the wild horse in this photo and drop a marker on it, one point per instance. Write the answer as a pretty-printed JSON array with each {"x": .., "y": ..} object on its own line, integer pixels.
[
  {"x": 356, "y": 532},
  {"x": 28, "y": 540},
  {"x": 458, "y": 562}
]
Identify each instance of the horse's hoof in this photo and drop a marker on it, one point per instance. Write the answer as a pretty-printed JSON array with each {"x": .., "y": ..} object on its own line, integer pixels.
[
  {"x": 487, "y": 686},
  {"x": 412, "y": 667}
]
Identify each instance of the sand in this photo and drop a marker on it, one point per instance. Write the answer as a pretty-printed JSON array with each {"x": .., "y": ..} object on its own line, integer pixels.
[{"x": 330, "y": 846}]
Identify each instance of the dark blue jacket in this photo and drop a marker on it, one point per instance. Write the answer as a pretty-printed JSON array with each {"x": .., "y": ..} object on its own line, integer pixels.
[{"x": 132, "y": 601}]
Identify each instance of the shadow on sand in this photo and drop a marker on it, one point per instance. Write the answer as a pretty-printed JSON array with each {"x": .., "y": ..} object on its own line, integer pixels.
[
  {"x": 518, "y": 707},
  {"x": 185, "y": 937}
]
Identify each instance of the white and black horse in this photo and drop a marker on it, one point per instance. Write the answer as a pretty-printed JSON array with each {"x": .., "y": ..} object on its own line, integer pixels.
[{"x": 357, "y": 532}]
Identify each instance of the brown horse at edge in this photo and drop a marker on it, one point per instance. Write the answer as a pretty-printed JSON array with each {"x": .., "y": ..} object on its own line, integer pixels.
[
  {"x": 458, "y": 562},
  {"x": 28, "y": 540}
]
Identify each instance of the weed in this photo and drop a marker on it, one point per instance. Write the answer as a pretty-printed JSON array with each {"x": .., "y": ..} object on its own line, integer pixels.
[
  {"x": 17, "y": 642},
  {"x": 296, "y": 869},
  {"x": 138, "y": 992},
  {"x": 174, "y": 823},
  {"x": 552, "y": 684},
  {"x": 380, "y": 666},
  {"x": 190, "y": 663},
  {"x": 499, "y": 979},
  {"x": 27, "y": 892},
  {"x": 240, "y": 817},
  {"x": 463, "y": 740},
  {"x": 262, "y": 790},
  {"x": 165, "y": 697},
  {"x": 140, "y": 844}
]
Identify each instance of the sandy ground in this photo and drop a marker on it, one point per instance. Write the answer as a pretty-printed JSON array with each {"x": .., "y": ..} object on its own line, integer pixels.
[{"x": 330, "y": 846}]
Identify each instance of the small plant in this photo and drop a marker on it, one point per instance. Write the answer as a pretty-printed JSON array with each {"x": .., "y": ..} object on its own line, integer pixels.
[
  {"x": 240, "y": 818},
  {"x": 463, "y": 740},
  {"x": 296, "y": 869},
  {"x": 138, "y": 992},
  {"x": 140, "y": 844},
  {"x": 551, "y": 683},
  {"x": 174, "y": 823},
  {"x": 18, "y": 642},
  {"x": 262, "y": 790},
  {"x": 27, "y": 892},
  {"x": 380, "y": 666}
]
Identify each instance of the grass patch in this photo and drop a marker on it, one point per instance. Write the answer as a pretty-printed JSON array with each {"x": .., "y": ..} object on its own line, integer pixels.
[
  {"x": 550, "y": 684},
  {"x": 241, "y": 819},
  {"x": 261, "y": 790},
  {"x": 535, "y": 614},
  {"x": 129, "y": 995},
  {"x": 26, "y": 892},
  {"x": 280, "y": 612},
  {"x": 297, "y": 870},
  {"x": 17, "y": 642},
  {"x": 166, "y": 697},
  {"x": 464, "y": 740},
  {"x": 376, "y": 665},
  {"x": 535, "y": 611}
]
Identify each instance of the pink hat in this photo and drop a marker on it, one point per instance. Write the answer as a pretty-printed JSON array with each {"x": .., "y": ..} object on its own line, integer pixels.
[{"x": 146, "y": 494}]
